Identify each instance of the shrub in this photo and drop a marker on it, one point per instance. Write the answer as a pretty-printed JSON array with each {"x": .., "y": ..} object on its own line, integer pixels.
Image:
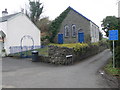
[
  {"x": 76, "y": 46},
  {"x": 117, "y": 56},
  {"x": 83, "y": 47}
]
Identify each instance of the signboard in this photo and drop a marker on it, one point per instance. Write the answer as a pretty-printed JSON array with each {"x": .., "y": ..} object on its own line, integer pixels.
[{"x": 113, "y": 34}]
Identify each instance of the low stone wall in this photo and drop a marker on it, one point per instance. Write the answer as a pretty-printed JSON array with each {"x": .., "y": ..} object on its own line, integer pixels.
[
  {"x": 57, "y": 55},
  {"x": 67, "y": 56},
  {"x": 60, "y": 55}
]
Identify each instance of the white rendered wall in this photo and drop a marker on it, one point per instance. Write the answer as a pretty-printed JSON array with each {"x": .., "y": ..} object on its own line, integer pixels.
[
  {"x": 18, "y": 27},
  {"x": 119, "y": 9},
  {"x": 94, "y": 31},
  {"x": 3, "y": 27},
  {"x": 0, "y": 26}
]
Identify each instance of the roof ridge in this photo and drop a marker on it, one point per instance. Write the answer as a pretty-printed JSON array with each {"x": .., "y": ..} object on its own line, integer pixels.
[
  {"x": 5, "y": 18},
  {"x": 11, "y": 14}
]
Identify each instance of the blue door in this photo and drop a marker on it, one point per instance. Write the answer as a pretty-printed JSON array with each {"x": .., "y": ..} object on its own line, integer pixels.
[
  {"x": 60, "y": 38},
  {"x": 81, "y": 37}
]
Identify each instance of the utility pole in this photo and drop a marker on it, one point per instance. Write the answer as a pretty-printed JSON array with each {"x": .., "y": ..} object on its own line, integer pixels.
[
  {"x": 113, "y": 35},
  {"x": 113, "y": 54}
]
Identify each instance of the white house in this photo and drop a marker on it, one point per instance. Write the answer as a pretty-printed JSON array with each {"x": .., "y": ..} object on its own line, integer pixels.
[
  {"x": 119, "y": 9},
  {"x": 16, "y": 31}
]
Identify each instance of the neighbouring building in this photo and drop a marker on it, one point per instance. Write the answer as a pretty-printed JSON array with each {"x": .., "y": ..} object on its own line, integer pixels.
[
  {"x": 16, "y": 32},
  {"x": 77, "y": 28},
  {"x": 119, "y": 9}
]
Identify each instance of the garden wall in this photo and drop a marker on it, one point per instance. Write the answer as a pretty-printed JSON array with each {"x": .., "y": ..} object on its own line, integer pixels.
[{"x": 67, "y": 56}]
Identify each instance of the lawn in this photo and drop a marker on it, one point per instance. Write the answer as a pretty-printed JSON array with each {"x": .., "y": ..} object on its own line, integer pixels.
[{"x": 41, "y": 51}]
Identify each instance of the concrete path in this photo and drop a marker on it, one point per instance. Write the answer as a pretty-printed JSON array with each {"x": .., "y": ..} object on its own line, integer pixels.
[{"x": 22, "y": 73}]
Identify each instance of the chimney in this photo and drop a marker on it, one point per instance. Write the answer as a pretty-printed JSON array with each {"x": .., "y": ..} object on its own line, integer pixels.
[
  {"x": 4, "y": 13},
  {"x": 119, "y": 9}
]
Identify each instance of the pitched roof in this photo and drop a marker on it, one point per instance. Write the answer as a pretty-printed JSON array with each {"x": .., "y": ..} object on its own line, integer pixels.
[
  {"x": 82, "y": 15},
  {"x": 5, "y": 18},
  {"x": 3, "y": 34}
]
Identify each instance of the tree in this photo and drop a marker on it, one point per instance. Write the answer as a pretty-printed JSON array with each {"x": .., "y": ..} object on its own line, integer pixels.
[
  {"x": 35, "y": 10},
  {"x": 109, "y": 23},
  {"x": 43, "y": 24},
  {"x": 117, "y": 53},
  {"x": 113, "y": 23}
]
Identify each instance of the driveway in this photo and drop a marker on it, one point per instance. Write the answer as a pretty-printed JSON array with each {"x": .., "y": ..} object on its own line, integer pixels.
[{"x": 22, "y": 73}]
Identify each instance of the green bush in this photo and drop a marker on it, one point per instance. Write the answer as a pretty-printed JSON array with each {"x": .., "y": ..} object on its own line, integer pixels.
[
  {"x": 117, "y": 56},
  {"x": 109, "y": 68}
]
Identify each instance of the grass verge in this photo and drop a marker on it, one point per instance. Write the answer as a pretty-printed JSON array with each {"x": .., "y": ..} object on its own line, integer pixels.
[
  {"x": 112, "y": 71},
  {"x": 41, "y": 51}
]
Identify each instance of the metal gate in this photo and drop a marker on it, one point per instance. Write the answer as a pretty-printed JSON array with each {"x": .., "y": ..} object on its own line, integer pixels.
[{"x": 25, "y": 47}]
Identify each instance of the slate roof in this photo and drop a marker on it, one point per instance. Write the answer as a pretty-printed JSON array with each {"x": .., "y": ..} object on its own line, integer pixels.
[
  {"x": 5, "y": 18},
  {"x": 3, "y": 34}
]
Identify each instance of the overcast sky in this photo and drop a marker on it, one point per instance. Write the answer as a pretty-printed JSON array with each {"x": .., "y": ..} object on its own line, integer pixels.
[{"x": 94, "y": 10}]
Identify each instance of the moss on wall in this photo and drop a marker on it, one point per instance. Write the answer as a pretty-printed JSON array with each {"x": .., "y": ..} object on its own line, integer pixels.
[{"x": 56, "y": 24}]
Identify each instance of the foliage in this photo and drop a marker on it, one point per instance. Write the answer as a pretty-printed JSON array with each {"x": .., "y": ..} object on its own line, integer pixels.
[
  {"x": 113, "y": 23},
  {"x": 3, "y": 50},
  {"x": 109, "y": 68},
  {"x": 55, "y": 25},
  {"x": 42, "y": 51},
  {"x": 117, "y": 56},
  {"x": 36, "y": 10},
  {"x": 109, "y": 23},
  {"x": 45, "y": 40},
  {"x": 44, "y": 37},
  {"x": 78, "y": 47},
  {"x": 95, "y": 44},
  {"x": 72, "y": 45},
  {"x": 43, "y": 24}
]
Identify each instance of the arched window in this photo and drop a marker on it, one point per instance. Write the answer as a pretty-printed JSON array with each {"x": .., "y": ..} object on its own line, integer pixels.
[
  {"x": 73, "y": 30},
  {"x": 66, "y": 31}
]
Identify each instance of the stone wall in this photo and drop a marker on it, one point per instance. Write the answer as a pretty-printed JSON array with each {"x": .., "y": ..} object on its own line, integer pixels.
[
  {"x": 57, "y": 55},
  {"x": 82, "y": 25},
  {"x": 67, "y": 56}
]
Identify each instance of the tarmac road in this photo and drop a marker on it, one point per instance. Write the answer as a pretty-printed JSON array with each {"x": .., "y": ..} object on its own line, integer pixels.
[{"x": 22, "y": 73}]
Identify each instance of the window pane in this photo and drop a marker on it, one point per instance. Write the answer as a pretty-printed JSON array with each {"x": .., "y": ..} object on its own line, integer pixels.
[
  {"x": 73, "y": 31},
  {"x": 66, "y": 31}
]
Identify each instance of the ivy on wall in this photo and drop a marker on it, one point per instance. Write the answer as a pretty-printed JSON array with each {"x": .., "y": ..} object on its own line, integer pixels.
[{"x": 55, "y": 25}]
